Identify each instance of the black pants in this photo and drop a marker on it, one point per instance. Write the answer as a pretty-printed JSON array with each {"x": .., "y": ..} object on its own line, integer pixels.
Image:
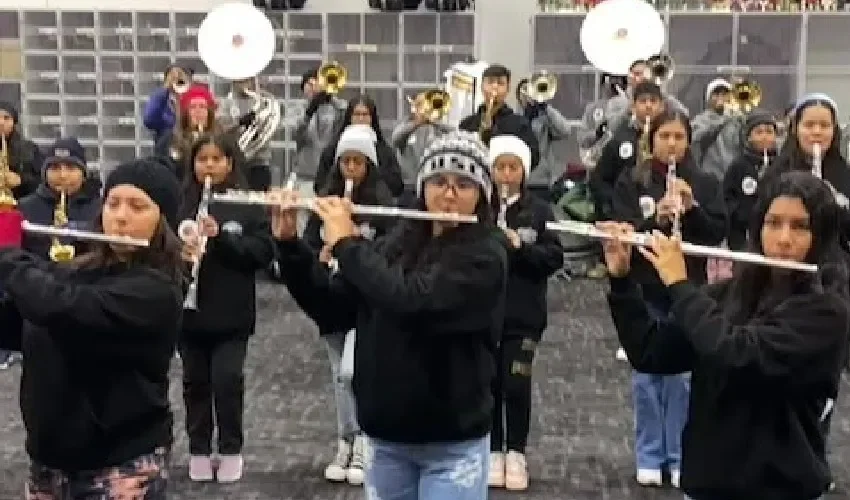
[
  {"x": 259, "y": 177},
  {"x": 512, "y": 394},
  {"x": 213, "y": 378}
]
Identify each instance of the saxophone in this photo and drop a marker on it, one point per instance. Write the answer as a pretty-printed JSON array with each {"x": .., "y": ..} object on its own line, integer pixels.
[
  {"x": 60, "y": 252},
  {"x": 7, "y": 198}
]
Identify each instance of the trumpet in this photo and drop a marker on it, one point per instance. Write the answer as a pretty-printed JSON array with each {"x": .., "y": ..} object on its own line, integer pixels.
[
  {"x": 541, "y": 87},
  {"x": 486, "y": 126},
  {"x": 745, "y": 96},
  {"x": 59, "y": 252},
  {"x": 63, "y": 232},
  {"x": 643, "y": 239},
  {"x": 433, "y": 104},
  {"x": 332, "y": 77},
  {"x": 189, "y": 229},
  {"x": 270, "y": 199}
]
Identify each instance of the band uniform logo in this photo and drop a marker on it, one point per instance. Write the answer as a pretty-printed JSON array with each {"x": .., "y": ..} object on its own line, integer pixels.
[
  {"x": 647, "y": 206},
  {"x": 527, "y": 235},
  {"x": 626, "y": 150},
  {"x": 598, "y": 114},
  {"x": 232, "y": 227},
  {"x": 749, "y": 185}
]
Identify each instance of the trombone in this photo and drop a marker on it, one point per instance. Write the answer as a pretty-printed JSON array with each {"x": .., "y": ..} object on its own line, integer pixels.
[
  {"x": 433, "y": 104},
  {"x": 541, "y": 87},
  {"x": 332, "y": 77}
]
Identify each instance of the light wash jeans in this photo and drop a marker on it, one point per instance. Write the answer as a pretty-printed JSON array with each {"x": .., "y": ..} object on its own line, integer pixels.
[
  {"x": 434, "y": 471},
  {"x": 346, "y": 408}
]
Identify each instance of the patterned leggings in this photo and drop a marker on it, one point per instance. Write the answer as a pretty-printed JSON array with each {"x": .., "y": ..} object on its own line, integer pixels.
[{"x": 144, "y": 478}]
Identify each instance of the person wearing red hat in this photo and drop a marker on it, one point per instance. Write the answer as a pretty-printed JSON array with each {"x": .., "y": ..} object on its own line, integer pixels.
[{"x": 196, "y": 116}]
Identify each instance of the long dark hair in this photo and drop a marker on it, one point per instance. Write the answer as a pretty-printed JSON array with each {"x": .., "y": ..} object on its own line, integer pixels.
[
  {"x": 408, "y": 243},
  {"x": 642, "y": 172},
  {"x": 792, "y": 157},
  {"x": 192, "y": 188},
  {"x": 748, "y": 283},
  {"x": 367, "y": 101},
  {"x": 163, "y": 254}
]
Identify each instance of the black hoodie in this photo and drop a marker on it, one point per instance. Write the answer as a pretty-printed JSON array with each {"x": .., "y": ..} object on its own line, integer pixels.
[
  {"x": 82, "y": 209},
  {"x": 618, "y": 155},
  {"x": 757, "y": 388},
  {"x": 505, "y": 122},
  {"x": 426, "y": 337},
  {"x": 97, "y": 347}
]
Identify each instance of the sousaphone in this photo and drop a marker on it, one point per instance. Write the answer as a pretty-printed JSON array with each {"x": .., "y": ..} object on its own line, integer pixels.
[
  {"x": 617, "y": 33},
  {"x": 236, "y": 41}
]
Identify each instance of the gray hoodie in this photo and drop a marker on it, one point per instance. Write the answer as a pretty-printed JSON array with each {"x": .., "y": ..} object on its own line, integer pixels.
[
  {"x": 716, "y": 141},
  {"x": 313, "y": 135},
  {"x": 409, "y": 140},
  {"x": 549, "y": 127}
]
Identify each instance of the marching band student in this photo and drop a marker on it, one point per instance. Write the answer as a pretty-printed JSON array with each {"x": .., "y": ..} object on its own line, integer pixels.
[
  {"x": 718, "y": 134},
  {"x": 644, "y": 197},
  {"x": 549, "y": 126},
  {"x": 427, "y": 302},
  {"x": 594, "y": 122},
  {"x": 495, "y": 85},
  {"x": 25, "y": 159},
  {"x": 64, "y": 172},
  {"x": 98, "y": 420},
  {"x": 196, "y": 117},
  {"x": 159, "y": 115},
  {"x": 534, "y": 254},
  {"x": 214, "y": 337},
  {"x": 621, "y": 152},
  {"x": 362, "y": 111},
  {"x": 356, "y": 161},
  {"x": 410, "y": 138},
  {"x": 741, "y": 180},
  {"x": 763, "y": 347}
]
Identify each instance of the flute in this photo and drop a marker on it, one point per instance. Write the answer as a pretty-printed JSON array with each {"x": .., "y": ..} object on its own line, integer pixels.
[
  {"x": 643, "y": 239},
  {"x": 75, "y": 234},
  {"x": 261, "y": 198},
  {"x": 817, "y": 169},
  {"x": 671, "y": 188}
]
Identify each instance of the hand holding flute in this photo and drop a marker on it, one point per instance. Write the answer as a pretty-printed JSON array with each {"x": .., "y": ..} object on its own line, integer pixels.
[{"x": 663, "y": 252}]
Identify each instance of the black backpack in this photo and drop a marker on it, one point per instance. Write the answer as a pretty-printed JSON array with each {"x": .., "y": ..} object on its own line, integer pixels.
[
  {"x": 394, "y": 5},
  {"x": 280, "y": 4},
  {"x": 448, "y": 5}
]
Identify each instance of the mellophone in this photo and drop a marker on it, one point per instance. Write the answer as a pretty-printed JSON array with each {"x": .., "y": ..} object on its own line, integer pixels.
[
  {"x": 272, "y": 199},
  {"x": 643, "y": 239}
]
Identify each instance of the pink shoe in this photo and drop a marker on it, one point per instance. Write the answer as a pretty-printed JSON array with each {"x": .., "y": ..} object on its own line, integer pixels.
[{"x": 229, "y": 468}]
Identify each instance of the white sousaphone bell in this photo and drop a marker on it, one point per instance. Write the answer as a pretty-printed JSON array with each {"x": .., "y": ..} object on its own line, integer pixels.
[
  {"x": 236, "y": 41},
  {"x": 617, "y": 33}
]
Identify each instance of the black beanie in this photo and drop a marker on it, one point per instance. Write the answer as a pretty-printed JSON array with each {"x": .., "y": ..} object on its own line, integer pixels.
[
  {"x": 754, "y": 119},
  {"x": 9, "y": 108},
  {"x": 313, "y": 73},
  {"x": 153, "y": 178}
]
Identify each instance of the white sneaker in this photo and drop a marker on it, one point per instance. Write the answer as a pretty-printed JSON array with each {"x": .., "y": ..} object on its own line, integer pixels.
[
  {"x": 337, "y": 470},
  {"x": 675, "y": 478},
  {"x": 497, "y": 470},
  {"x": 201, "y": 468},
  {"x": 516, "y": 472},
  {"x": 355, "y": 474},
  {"x": 229, "y": 468},
  {"x": 649, "y": 477},
  {"x": 621, "y": 355}
]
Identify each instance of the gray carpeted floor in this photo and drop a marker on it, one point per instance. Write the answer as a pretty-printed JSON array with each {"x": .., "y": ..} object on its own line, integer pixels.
[{"x": 581, "y": 445}]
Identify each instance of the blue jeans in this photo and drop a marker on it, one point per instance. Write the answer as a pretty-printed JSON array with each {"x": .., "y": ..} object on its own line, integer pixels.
[
  {"x": 661, "y": 410},
  {"x": 346, "y": 408},
  {"x": 434, "y": 471}
]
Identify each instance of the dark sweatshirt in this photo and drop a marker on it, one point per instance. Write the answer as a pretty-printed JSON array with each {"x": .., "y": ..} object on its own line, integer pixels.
[
  {"x": 82, "y": 208},
  {"x": 505, "y": 122},
  {"x": 758, "y": 387},
  {"x": 97, "y": 345},
  {"x": 618, "y": 156},
  {"x": 426, "y": 336}
]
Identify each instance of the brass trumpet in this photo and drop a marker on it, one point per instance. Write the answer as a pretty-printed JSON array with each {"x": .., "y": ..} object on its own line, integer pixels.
[
  {"x": 541, "y": 87},
  {"x": 60, "y": 252},
  {"x": 332, "y": 77},
  {"x": 745, "y": 96},
  {"x": 433, "y": 104},
  {"x": 485, "y": 128}
]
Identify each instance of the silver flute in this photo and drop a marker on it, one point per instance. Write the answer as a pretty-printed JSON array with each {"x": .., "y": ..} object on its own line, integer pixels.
[
  {"x": 192, "y": 227},
  {"x": 75, "y": 234},
  {"x": 817, "y": 161},
  {"x": 643, "y": 239},
  {"x": 502, "y": 220},
  {"x": 263, "y": 198}
]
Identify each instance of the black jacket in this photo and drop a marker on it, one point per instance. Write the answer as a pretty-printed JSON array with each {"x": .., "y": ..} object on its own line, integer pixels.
[
  {"x": 82, "y": 208},
  {"x": 505, "y": 122},
  {"x": 704, "y": 224},
  {"x": 26, "y": 160},
  {"x": 227, "y": 279},
  {"x": 387, "y": 166},
  {"x": 740, "y": 191},
  {"x": 531, "y": 265},
  {"x": 97, "y": 347},
  {"x": 757, "y": 389},
  {"x": 618, "y": 156},
  {"x": 426, "y": 337}
]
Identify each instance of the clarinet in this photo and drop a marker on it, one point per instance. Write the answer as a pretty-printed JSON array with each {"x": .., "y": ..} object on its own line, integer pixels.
[{"x": 191, "y": 301}]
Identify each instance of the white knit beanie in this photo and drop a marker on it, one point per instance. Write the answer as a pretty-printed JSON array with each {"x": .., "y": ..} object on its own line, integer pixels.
[
  {"x": 456, "y": 152},
  {"x": 511, "y": 145},
  {"x": 717, "y": 83},
  {"x": 359, "y": 138}
]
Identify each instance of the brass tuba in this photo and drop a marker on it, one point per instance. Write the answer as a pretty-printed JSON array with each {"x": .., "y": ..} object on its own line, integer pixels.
[
  {"x": 541, "y": 87},
  {"x": 332, "y": 77},
  {"x": 434, "y": 104},
  {"x": 60, "y": 252}
]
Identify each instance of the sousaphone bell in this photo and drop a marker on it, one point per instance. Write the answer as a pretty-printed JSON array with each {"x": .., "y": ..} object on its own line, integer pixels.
[{"x": 616, "y": 33}]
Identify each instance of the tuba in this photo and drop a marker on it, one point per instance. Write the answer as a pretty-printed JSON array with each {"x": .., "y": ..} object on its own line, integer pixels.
[
  {"x": 60, "y": 252},
  {"x": 615, "y": 34},
  {"x": 332, "y": 77},
  {"x": 236, "y": 42},
  {"x": 541, "y": 87}
]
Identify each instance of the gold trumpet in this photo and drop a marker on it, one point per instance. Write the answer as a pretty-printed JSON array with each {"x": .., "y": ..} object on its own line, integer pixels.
[
  {"x": 485, "y": 128},
  {"x": 433, "y": 104},
  {"x": 7, "y": 198},
  {"x": 60, "y": 252},
  {"x": 745, "y": 96},
  {"x": 332, "y": 77},
  {"x": 541, "y": 87}
]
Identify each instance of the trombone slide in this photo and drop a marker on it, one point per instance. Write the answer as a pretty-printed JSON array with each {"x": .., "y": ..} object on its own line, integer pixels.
[
  {"x": 63, "y": 232},
  {"x": 643, "y": 239}
]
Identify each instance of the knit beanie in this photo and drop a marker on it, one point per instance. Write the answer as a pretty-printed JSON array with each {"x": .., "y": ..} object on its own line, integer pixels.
[
  {"x": 715, "y": 85},
  {"x": 359, "y": 138},
  {"x": 65, "y": 150},
  {"x": 460, "y": 153},
  {"x": 816, "y": 96},
  {"x": 197, "y": 92},
  {"x": 512, "y": 145},
  {"x": 152, "y": 177},
  {"x": 754, "y": 119}
]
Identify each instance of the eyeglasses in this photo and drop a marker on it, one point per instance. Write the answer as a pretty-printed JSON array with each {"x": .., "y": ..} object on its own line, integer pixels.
[{"x": 460, "y": 184}]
